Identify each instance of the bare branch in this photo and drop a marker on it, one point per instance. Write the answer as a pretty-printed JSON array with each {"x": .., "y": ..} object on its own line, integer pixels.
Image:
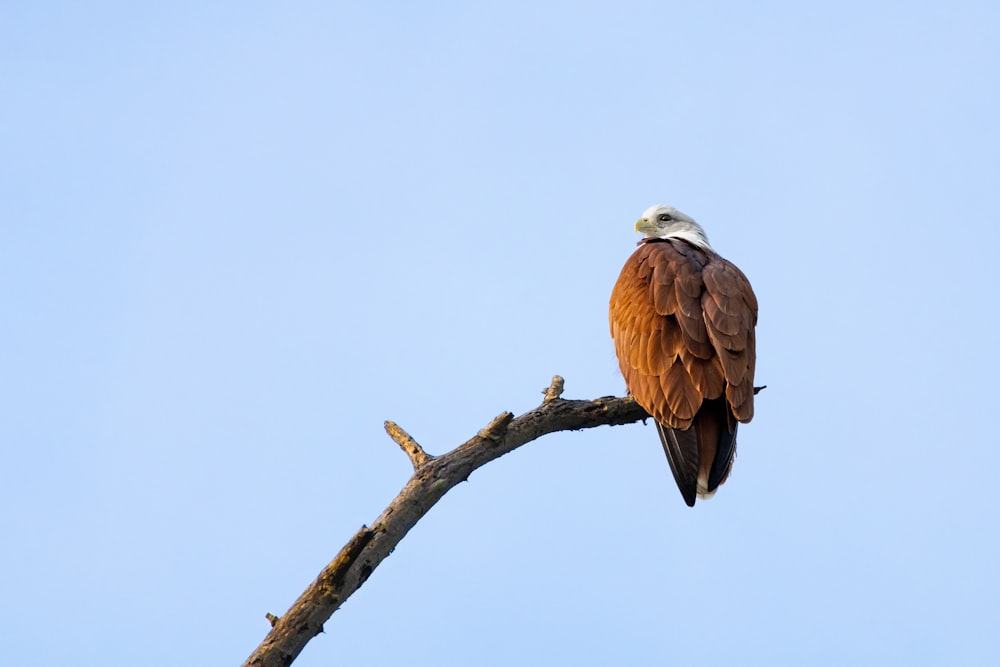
[{"x": 432, "y": 478}]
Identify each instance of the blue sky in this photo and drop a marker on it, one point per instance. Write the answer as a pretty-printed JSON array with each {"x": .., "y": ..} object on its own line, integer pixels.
[{"x": 234, "y": 239}]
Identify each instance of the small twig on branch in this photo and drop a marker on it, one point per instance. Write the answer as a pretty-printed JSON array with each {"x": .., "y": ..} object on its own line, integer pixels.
[
  {"x": 417, "y": 455},
  {"x": 495, "y": 430},
  {"x": 432, "y": 478},
  {"x": 554, "y": 390}
]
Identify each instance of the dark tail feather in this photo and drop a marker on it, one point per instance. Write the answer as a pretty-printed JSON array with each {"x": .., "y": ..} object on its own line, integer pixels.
[
  {"x": 723, "y": 458},
  {"x": 725, "y": 448},
  {"x": 681, "y": 448}
]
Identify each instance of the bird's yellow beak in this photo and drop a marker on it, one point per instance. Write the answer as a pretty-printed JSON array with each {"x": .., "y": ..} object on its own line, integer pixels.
[{"x": 645, "y": 226}]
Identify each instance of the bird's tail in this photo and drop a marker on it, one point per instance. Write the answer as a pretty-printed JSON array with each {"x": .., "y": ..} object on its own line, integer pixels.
[{"x": 701, "y": 456}]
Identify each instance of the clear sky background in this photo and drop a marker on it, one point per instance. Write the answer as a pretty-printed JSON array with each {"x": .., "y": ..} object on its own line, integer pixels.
[{"x": 236, "y": 237}]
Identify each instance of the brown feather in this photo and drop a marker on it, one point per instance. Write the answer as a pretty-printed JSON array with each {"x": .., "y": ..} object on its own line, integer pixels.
[
  {"x": 660, "y": 353},
  {"x": 740, "y": 399},
  {"x": 707, "y": 375},
  {"x": 682, "y": 397}
]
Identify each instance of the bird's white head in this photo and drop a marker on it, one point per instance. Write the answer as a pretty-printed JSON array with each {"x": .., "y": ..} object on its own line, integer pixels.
[{"x": 666, "y": 222}]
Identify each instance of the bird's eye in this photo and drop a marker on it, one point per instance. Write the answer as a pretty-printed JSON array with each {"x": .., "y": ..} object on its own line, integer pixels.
[{"x": 665, "y": 217}]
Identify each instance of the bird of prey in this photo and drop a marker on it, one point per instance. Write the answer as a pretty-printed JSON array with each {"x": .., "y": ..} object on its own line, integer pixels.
[{"x": 682, "y": 319}]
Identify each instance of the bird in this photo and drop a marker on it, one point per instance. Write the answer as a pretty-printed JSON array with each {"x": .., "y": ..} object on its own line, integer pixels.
[{"x": 683, "y": 323}]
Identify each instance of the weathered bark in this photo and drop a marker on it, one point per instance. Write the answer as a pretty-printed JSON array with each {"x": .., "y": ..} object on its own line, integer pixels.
[{"x": 433, "y": 476}]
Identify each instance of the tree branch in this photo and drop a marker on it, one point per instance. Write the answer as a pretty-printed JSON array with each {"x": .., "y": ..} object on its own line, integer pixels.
[{"x": 432, "y": 478}]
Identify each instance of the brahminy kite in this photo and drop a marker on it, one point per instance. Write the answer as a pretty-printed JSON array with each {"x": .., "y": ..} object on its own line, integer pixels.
[{"x": 682, "y": 319}]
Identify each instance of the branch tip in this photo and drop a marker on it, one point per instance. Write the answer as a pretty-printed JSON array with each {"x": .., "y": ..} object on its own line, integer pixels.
[
  {"x": 757, "y": 390},
  {"x": 272, "y": 619},
  {"x": 410, "y": 447},
  {"x": 554, "y": 390}
]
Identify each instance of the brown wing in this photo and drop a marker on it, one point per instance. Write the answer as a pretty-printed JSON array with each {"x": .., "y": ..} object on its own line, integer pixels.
[
  {"x": 664, "y": 346},
  {"x": 730, "y": 308},
  {"x": 682, "y": 320}
]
